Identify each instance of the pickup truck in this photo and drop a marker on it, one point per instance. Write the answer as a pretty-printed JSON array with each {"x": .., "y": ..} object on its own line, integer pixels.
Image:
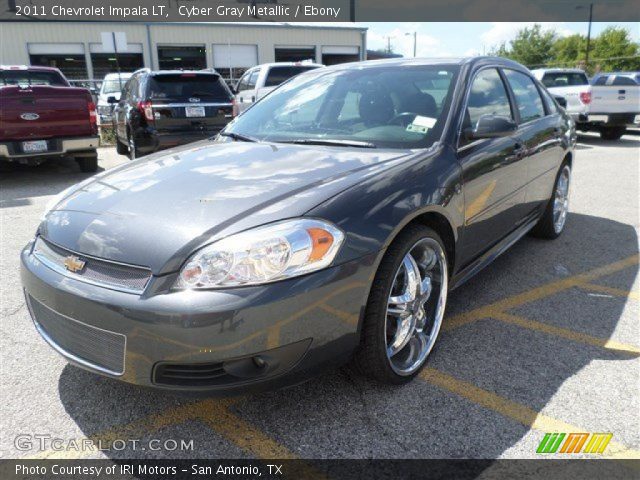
[
  {"x": 262, "y": 79},
  {"x": 608, "y": 106},
  {"x": 43, "y": 116}
]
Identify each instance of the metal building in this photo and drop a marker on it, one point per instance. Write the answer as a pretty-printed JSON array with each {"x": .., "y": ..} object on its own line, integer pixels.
[{"x": 78, "y": 50}]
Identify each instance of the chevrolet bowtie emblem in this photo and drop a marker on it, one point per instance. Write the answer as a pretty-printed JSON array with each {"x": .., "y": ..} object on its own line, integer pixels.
[{"x": 73, "y": 263}]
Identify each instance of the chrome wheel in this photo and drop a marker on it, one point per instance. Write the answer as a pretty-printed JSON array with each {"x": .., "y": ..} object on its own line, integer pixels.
[
  {"x": 561, "y": 199},
  {"x": 415, "y": 306}
]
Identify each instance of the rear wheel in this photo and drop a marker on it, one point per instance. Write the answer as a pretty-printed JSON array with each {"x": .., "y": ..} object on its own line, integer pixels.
[
  {"x": 612, "y": 133},
  {"x": 87, "y": 164},
  {"x": 552, "y": 222},
  {"x": 405, "y": 307}
]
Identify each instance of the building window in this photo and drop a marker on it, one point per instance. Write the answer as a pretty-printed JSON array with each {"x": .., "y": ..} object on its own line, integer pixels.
[
  {"x": 339, "y": 54},
  {"x": 295, "y": 54},
  {"x": 182, "y": 57},
  {"x": 105, "y": 62},
  {"x": 68, "y": 57},
  {"x": 231, "y": 61}
]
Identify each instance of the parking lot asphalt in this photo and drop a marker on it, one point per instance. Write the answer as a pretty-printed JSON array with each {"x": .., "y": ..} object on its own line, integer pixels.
[{"x": 546, "y": 339}]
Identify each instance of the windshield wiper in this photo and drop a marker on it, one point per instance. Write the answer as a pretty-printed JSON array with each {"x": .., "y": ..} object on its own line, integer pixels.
[
  {"x": 237, "y": 137},
  {"x": 335, "y": 142}
]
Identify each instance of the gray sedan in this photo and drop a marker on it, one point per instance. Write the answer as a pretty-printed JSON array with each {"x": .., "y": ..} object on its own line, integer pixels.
[{"x": 327, "y": 223}]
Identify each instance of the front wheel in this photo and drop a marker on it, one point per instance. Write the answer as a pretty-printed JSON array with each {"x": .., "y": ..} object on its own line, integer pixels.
[
  {"x": 405, "y": 307},
  {"x": 552, "y": 222}
]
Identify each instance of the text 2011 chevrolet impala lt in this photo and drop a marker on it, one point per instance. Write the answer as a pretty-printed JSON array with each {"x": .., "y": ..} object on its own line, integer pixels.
[{"x": 327, "y": 222}]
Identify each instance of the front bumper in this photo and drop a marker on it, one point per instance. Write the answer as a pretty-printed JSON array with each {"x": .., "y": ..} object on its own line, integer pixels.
[
  {"x": 298, "y": 326},
  {"x": 56, "y": 146}
]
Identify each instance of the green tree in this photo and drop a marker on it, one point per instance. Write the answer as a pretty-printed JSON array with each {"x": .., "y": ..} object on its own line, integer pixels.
[
  {"x": 612, "y": 49},
  {"x": 569, "y": 51},
  {"x": 532, "y": 46}
]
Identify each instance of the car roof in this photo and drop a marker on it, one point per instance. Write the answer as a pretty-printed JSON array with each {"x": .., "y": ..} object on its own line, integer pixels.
[
  {"x": 208, "y": 71},
  {"x": 109, "y": 76},
  {"x": 289, "y": 64},
  {"x": 400, "y": 62}
]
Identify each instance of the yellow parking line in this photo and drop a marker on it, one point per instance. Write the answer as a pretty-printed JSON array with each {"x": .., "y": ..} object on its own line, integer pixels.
[
  {"x": 617, "y": 292},
  {"x": 566, "y": 333},
  {"x": 244, "y": 435},
  {"x": 513, "y": 410},
  {"x": 538, "y": 293}
]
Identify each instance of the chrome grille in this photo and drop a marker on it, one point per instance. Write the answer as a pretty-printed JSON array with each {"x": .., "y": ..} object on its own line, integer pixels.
[
  {"x": 94, "y": 347},
  {"x": 104, "y": 273}
]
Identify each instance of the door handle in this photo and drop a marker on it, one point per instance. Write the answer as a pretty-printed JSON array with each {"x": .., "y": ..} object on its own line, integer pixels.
[{"x": 253, "y": 99}]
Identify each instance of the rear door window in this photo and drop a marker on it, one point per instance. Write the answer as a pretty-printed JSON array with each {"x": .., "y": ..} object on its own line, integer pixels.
[
  {"x": 187, "y": 85},
  {"x": 528, "y": 99},
  {"x": 278, "y": 75},
  {"x": 558, "y": 79}
]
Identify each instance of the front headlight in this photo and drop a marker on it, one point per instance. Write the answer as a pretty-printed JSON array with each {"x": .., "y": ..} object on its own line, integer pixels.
[{"x": 262, "y": 255}]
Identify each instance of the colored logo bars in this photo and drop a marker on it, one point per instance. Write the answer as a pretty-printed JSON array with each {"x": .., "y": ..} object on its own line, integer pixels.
[{"x": 573, "y": 443}]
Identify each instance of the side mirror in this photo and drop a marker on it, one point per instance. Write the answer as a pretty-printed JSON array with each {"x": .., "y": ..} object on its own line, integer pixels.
[
  {"x": 111, "y": 99},
  {"x": 492, "y": 126},
  {"x": 561, "y": 101}
]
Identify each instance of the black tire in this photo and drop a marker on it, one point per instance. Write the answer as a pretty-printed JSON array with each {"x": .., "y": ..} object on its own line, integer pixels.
[
  {"x": 371, "y": 357},
  {"x": 121, "y": 148},
  {"x": 612, "y": 133},
  {"x": 546, "y": 226},
  {"x": 87, "y": 164}
]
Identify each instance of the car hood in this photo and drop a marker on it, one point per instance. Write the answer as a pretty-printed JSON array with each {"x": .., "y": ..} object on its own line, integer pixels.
[{"x": 156, "y": 211}]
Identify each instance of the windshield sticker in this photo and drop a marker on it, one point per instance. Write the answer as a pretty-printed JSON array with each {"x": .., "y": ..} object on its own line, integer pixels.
[{"x": 421, "y": 124}]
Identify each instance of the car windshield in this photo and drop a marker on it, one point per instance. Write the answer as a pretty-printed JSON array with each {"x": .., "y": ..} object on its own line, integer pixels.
[
  {"x": 375, "y": 106},
  {"x": 184, "y": 85},
  {"x": 113, "y": 85},
  {"x": 26, "y": 77},
  {"x": 564, "y": 79}
]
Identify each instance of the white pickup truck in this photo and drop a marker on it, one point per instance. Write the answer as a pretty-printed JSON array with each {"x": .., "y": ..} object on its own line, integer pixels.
[
  {"x": 262, "y": 79},
  {"x": 609, "y": 106}
]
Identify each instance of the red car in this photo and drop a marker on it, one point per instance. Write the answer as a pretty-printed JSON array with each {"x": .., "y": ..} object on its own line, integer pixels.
[{"x": 43, "y": 116}]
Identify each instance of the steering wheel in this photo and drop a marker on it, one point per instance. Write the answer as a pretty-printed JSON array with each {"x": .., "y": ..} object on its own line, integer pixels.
[{"x": 402, "y": 118}]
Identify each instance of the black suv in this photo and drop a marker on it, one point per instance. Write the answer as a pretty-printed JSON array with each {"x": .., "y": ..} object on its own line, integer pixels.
[{"x": 162, "y": 109}]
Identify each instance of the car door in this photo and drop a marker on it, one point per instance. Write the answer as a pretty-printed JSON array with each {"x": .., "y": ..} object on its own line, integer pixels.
[
  {"x": 493, "y": 170},
  {"x": 247, "y": 89},
  {"x": 541, "y": 132}
]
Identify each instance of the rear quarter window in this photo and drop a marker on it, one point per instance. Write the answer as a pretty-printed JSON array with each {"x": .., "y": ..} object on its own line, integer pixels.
[{"x": 204, "y": 86}]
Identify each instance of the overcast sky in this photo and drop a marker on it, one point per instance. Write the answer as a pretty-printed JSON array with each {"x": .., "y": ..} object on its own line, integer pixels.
[{"x": 469, "y": 38}]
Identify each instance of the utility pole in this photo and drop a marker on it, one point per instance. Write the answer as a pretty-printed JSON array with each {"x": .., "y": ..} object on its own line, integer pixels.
[
  {"x": 115, "y": 50},
  {"x": 415, "y": 43},
  {"x": 586, "y": 61}
]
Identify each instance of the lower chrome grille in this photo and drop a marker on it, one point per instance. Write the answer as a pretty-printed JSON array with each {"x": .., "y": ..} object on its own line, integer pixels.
[
  {"x": 91, "y": 346},
  {"x": 127, "y": 278}
]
